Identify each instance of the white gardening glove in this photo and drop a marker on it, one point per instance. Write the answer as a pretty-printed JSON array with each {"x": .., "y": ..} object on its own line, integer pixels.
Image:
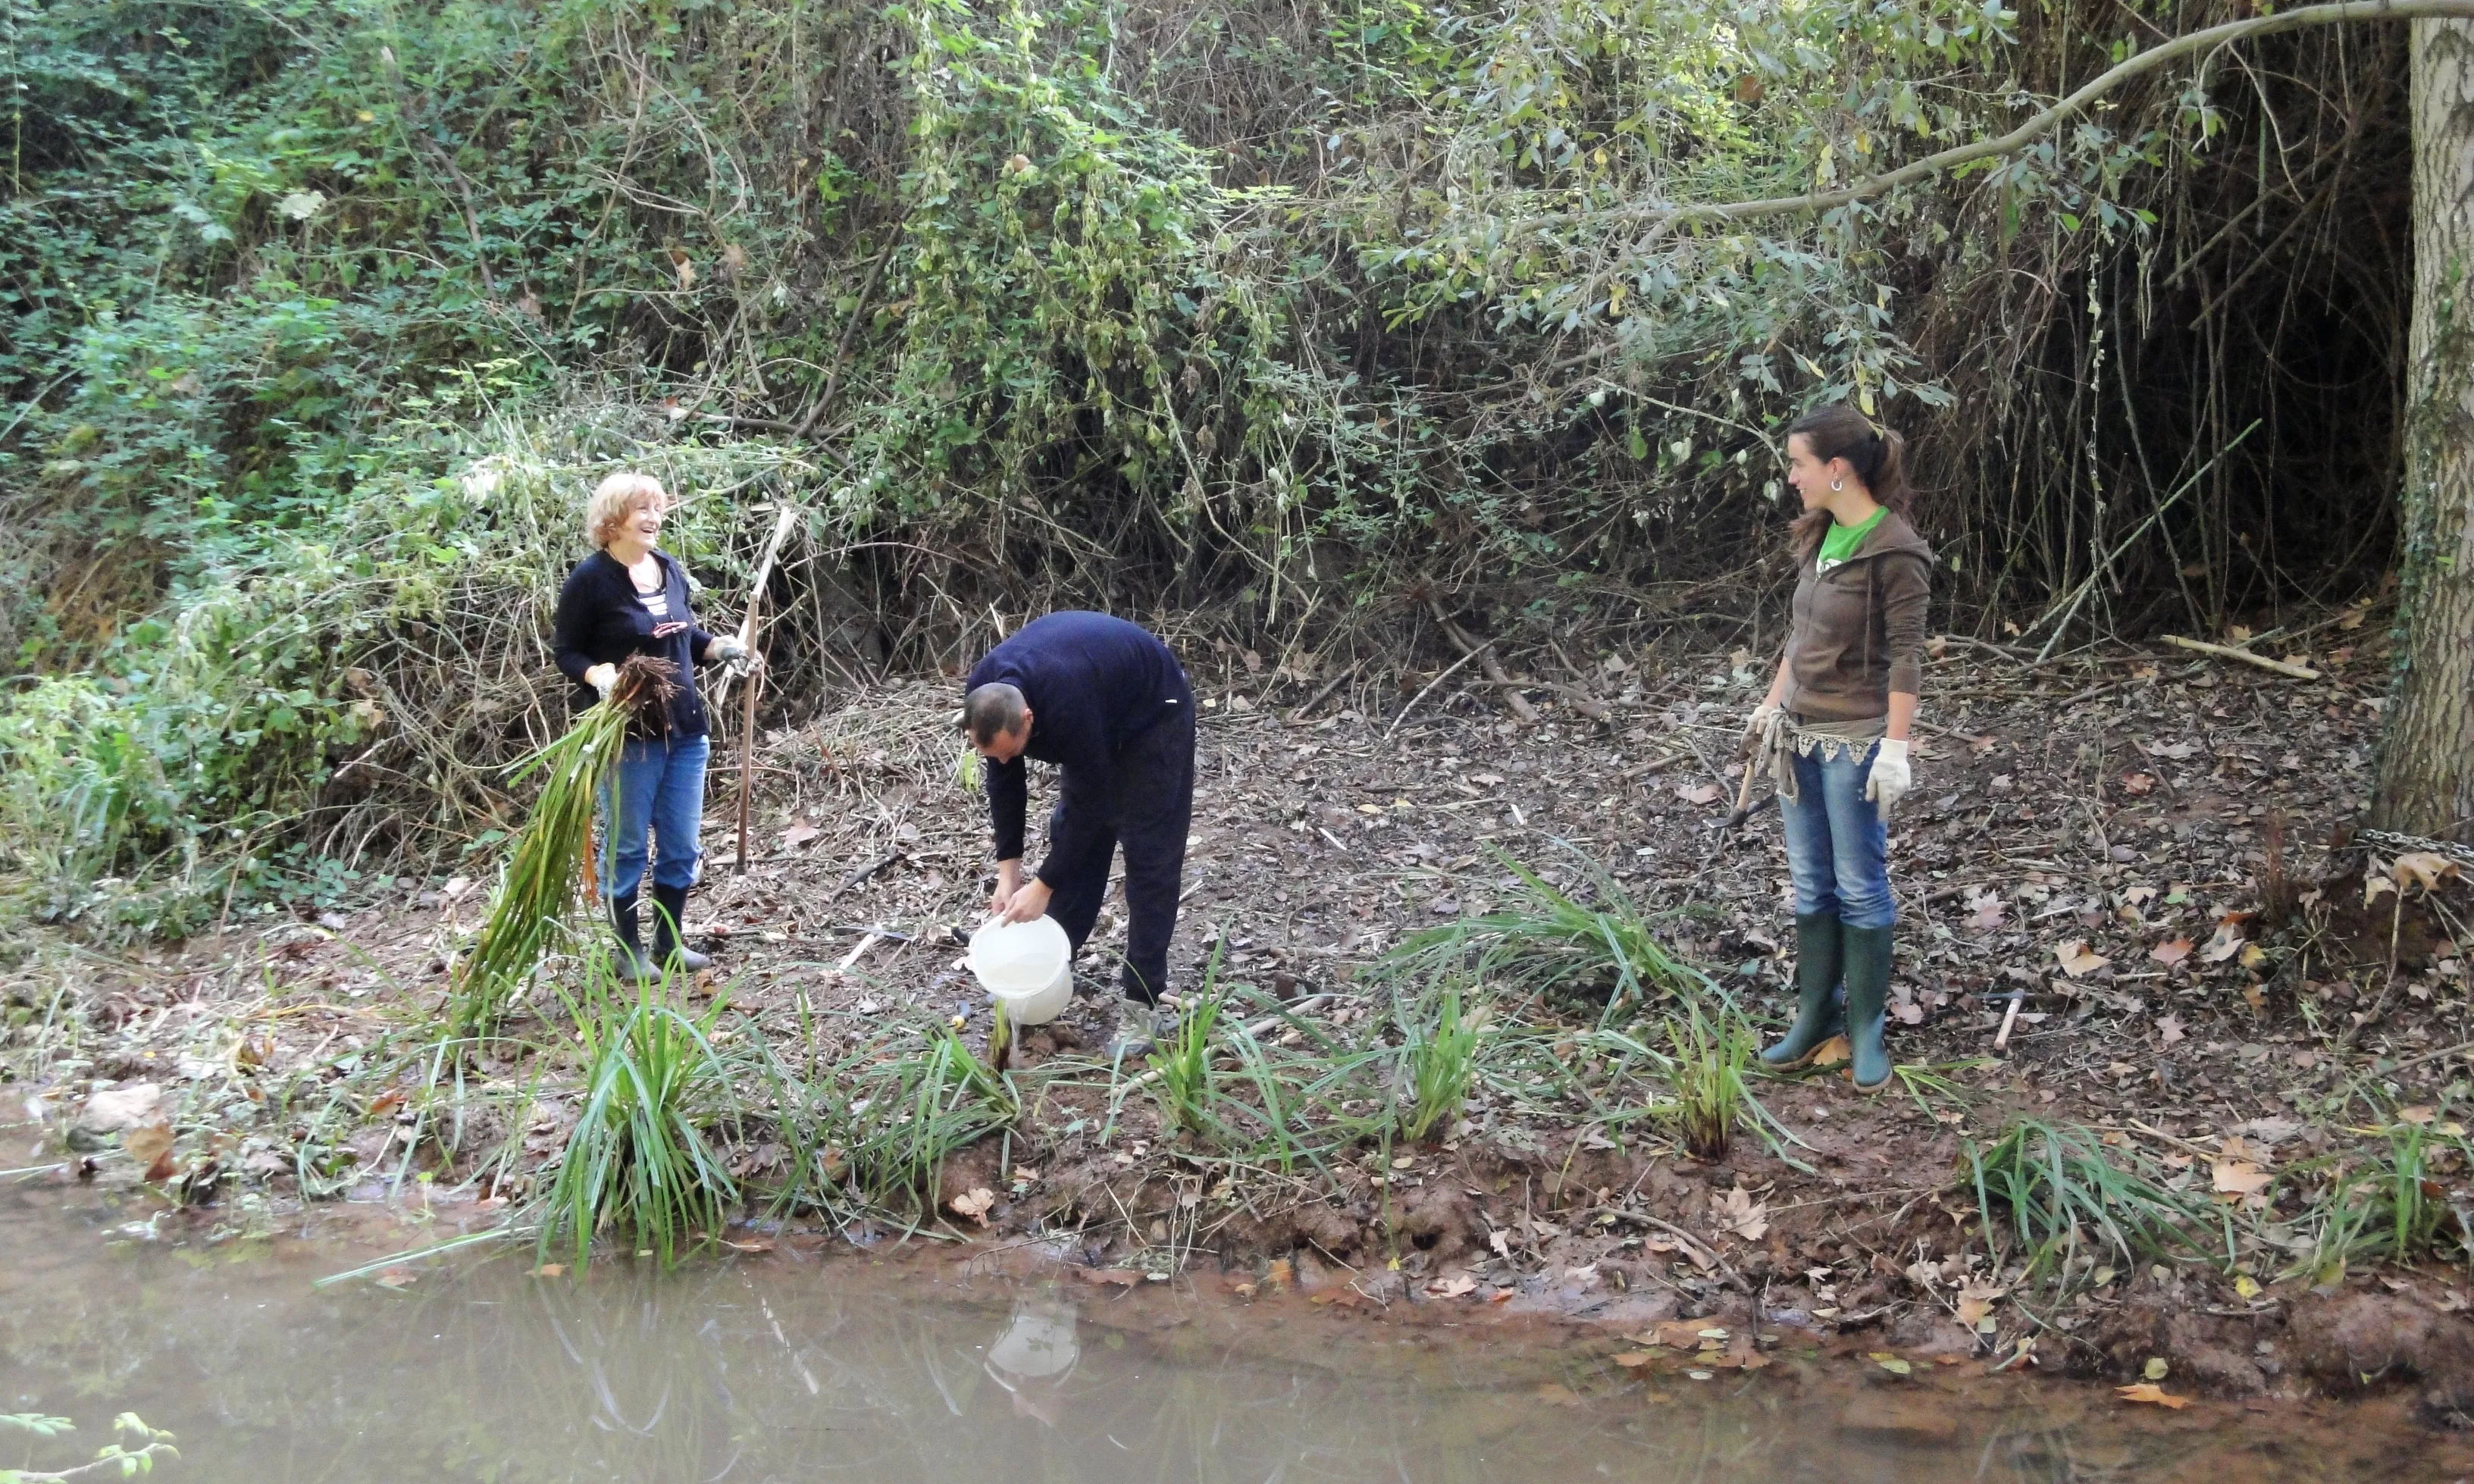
[
  {"x": 1889, "y": 778},
  {"x": 1757, "y": 727},
  {"x": 730, "y": 654},
  {"x": 601, "y": 677}
]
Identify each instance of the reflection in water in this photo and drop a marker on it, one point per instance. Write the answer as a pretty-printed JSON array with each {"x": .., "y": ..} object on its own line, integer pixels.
[
  {"x": 790, "y": 1368},
  {"x": 1034, "y": 1357}
]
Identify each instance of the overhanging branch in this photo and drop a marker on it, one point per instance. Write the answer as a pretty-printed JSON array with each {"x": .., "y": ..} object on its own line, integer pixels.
[{"x": 1668, "y": 217}]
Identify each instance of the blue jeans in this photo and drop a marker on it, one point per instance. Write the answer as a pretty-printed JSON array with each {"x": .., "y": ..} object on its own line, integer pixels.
[
  {"x": 1836, "y": 846},
  {"x": 658, "y": 789}
]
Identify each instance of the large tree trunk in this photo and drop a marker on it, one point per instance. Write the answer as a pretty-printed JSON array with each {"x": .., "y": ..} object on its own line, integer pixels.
[{"x": 2426, "y": 771}]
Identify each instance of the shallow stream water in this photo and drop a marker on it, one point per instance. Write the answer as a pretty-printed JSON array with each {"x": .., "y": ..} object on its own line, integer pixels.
[{"x": 794, "y": 1365}]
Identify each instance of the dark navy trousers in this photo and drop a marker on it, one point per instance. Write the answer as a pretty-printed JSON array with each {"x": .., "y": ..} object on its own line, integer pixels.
[{"x": 1146, "y": 809}]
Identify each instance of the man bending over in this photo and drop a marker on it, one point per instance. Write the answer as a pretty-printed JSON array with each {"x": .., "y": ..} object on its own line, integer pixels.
[{"x": 1106, "y": 702}]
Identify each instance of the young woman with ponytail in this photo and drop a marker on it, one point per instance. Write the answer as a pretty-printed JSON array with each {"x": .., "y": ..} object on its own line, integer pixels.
[{"x": 1834, "y": 725}]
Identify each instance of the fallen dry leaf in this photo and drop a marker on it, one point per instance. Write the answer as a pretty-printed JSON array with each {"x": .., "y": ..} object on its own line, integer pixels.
[
  {"x": 1452, "y": 1287},
  {"x": 2424, "y": 868},
  {"x": 2171, "y": 951},
  {"x": 549, "y": 1270},
  {"x": 1742, "y": 1214},
  {"x": 1121, "y": 1277},
  {"x": 2078, "y": 960},
  {"x": 2168, "y": 1029},
  {"x": 398, "y": 1279},
  {"x": 151, "y": 1147},
  {"x": 1975, "y": 1302},
  {"x": 2238, "y": 1177},
  {"x": 2227, "y": 941},
  {"x": 2154, "y": 1395},
  {"x": 1631, "y": 1359},
  {"x": 974, "y": 1204},
  {"x": 1698, "y": 793}
]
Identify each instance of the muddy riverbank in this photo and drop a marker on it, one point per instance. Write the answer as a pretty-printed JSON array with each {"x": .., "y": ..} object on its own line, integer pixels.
[
  {"x": 2134, "y": 848},
  {"x": 932, "y": 1363}
]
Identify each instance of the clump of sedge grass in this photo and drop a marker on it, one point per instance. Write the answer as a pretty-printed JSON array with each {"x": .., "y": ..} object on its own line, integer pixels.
[
  {"x": 545, "y": 871},
  {"x": 1183, "y": 1080},
  {"x": 639, "y": 1160},
  {"x": 1547, "y": 941},
  {"x": 2390, "y": 1209},
  {"x": 1707, "y": 1075},
  {"x": 1438, "y": 1060},
  {"x": 873, "y": 1130},
  {"x": 2062, "y": 1196}
]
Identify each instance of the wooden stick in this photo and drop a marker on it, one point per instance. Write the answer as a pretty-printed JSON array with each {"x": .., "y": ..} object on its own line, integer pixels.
[
  {"x": 764, "y": 573},
  {"x": 1484, "y": 654},
  {"x": 1743, "y": 796},
  {"x": 2229, "y": 652},
  {"x": 747, "y": 733},
  {"x": 1328, "y": 686},
  {"x": 756, "y": 675},
  {"x": 872, "y": 939},
  {"x": 1430, "y": 686}
]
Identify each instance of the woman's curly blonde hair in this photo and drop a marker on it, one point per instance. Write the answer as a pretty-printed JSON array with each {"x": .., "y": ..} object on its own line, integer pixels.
[{"x": 615, "y": 499}]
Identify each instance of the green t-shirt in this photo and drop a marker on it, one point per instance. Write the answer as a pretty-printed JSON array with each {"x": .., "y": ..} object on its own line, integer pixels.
[{"x": 1839, "y": 541}]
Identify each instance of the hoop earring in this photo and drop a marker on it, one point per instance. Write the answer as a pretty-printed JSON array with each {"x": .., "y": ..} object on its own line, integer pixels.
[{"x": 1838, "y": 484}]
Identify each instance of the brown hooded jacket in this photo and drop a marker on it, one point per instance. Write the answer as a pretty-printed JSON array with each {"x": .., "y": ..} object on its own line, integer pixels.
[{"x": 1857, "y": 630}]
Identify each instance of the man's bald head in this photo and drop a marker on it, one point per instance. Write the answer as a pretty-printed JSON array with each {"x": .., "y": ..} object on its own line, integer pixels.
[{"x": 998, "y": 719}]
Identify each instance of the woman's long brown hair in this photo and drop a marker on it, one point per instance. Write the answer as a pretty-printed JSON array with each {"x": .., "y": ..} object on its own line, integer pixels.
[{"x": 1877, "y": 456}]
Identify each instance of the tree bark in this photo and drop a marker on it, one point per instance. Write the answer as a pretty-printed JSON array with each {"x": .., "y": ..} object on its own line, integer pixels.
[{"x": 2426, "y": 766}]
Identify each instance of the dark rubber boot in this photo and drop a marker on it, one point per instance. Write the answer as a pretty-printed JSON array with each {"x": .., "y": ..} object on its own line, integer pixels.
[
  {"x": 670, "y": 947},
  {"x": 628, "y": 963},
  {"x": 1818, "y": 954},
  {"x": 1868, "y": 994}
]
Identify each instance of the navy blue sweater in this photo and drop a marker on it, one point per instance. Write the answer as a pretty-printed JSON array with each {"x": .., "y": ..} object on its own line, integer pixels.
[
  {"x": 601, "y": 622},
  {"x": 1093, "y": 683}
]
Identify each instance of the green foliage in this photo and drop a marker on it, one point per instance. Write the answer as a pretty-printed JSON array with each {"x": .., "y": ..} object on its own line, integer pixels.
[
  {"x": 2062, "y": 1197},
  {"x": 1184, "y": 1081},
  {"x": 134, "y": 1451},
  {"x": 529, "y": 912},
  {"x": 1707, "y": 1075},
  {"x": 1439, "y": 1060},
  {"x": 1590, "y": 943},
  {"x": 325, "y": 314},
  {"x": 139, "y": 799},
  {"x": 2389, "y": 1208},
  {"x": 640, "y": 1159}
]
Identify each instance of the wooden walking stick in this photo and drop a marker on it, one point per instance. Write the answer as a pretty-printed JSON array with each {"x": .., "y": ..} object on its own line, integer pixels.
[{"x": 755, "y": 677}]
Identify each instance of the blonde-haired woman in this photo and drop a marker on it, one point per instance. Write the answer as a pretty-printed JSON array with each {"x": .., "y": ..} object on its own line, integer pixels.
[{"x": 630, "y": 598}]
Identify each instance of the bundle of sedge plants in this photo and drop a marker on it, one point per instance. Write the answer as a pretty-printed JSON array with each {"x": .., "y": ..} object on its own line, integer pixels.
[
  {"x": 547, "y": 871},
  {"x": 642, "y": 1160},
  {"x": 1587, "y": 946}
]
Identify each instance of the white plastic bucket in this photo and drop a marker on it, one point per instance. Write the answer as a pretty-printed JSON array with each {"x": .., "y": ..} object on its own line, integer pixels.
[{"x": 1026, "y": 966}]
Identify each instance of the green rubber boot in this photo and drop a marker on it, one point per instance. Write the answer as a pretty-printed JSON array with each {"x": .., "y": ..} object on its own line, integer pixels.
[
  {"x": 1818, "y": 955},
  {"x": 1868, "y": 994}
]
